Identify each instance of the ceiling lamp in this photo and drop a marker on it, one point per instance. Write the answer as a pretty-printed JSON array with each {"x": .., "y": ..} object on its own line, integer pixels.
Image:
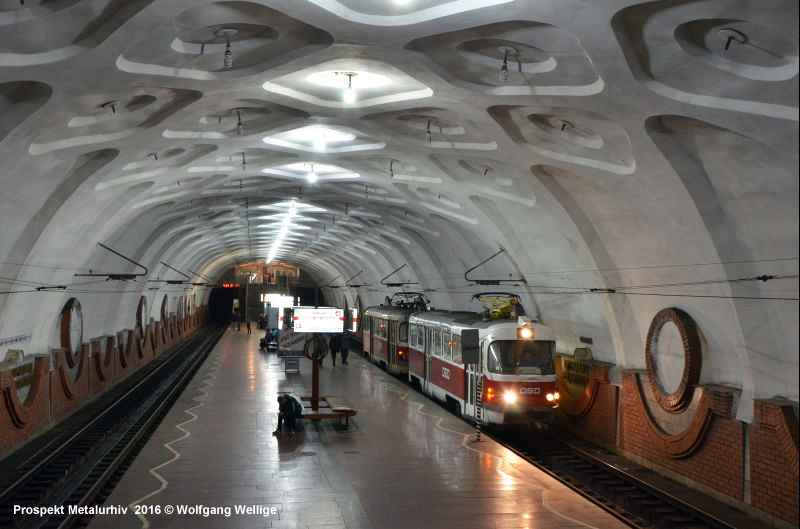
[
  {"x": 508, "y": 50},
  {"x": 349, "y": 94},
  {"x": 228, "y": 59},
  {"x": 239, "y": 124},
  {"x": 428, "y": 135},
  {"x": 112, "y": 105},
  {"x": 311, "y": 176}
]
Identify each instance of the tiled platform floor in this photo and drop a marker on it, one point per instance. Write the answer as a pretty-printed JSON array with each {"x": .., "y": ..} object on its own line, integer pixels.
[{"x": 405, "y": 463}]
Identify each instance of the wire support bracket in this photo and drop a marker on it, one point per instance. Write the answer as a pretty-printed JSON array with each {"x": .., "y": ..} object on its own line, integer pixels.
[{"x": 114, "y": 275}]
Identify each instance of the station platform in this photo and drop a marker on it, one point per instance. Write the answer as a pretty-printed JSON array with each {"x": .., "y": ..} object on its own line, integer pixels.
[{"x": 404, "y": 463}]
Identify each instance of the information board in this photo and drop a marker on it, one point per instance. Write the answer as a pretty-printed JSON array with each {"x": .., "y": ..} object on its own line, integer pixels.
[{"x": 326, "y": 320}]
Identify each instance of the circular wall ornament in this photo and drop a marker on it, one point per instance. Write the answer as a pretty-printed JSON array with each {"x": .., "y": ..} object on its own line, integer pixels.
[
  {"x": 677, "y": 400},
  {"x": 70, "y": 330},
  {"x": 141, "y": 317}
]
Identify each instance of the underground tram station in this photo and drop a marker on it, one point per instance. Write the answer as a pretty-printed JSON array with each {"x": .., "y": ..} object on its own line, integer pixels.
[{"x": 399, "y": 264}]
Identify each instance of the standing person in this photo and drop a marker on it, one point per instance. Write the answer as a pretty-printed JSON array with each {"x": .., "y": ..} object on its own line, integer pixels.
[
  {"x": 335, "y": 345},
  {"x": 247, "y": 323},
  {"x": 235, "y": 319},
  {"x": 344, "y": 347}
]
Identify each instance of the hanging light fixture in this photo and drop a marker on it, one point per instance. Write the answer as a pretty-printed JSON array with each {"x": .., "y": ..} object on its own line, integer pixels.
[
  {"x": 111, "y": 105},
  {"x": 428, "y": 135},
  {"x": 312, "y": 176},
  {"x": 239, "y": 124},
  {"x": 227, "y": 61},
  {"x": 504, "y": 68},
  {"x": 349, "y": 94}
]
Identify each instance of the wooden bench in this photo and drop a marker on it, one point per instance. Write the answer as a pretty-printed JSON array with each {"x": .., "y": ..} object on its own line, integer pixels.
[{"x": 330, "y": 408}]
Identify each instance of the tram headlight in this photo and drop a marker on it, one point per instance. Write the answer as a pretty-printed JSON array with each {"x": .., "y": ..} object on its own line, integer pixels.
[
  {"x": 556, "y": 395},
  {"x": 525, "y": 333},
  {"x": 509, "y": 397},
  {"x": 550, "y": 397}
]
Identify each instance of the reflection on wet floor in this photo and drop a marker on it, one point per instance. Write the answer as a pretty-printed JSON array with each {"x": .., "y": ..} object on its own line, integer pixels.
[{"x": 404, "y": 462}]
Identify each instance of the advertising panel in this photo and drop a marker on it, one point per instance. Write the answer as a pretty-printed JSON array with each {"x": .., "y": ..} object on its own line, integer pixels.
[{"x": 291, "y": 344}]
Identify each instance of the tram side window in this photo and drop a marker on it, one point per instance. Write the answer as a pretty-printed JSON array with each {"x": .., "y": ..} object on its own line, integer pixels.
[
  {"x": 412, "y": 336},
  {"x": 446, "y": 346},
  {"x": 457, "y": 348},
  {"x": 366, "y": 324},
  {"x": 420, "y": 337},
  {"x": 380, "y": 328},
  {"x": 437, "y": 343},
  {"x": 402, "y": 332}
]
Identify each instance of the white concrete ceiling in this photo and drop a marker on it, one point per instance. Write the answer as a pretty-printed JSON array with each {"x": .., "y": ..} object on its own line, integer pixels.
[{"x": 627, "y": 148}]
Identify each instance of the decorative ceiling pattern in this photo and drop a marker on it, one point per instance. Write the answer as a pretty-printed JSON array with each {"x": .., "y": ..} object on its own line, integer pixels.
[{"x": 608, "y": 147}]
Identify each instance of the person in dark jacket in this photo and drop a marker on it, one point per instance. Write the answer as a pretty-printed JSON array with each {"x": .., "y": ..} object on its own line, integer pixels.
[
  {"x": 290, "y": 408},
  {"x": 335, "y": 345},
  {"x": 343, "y": 347}
]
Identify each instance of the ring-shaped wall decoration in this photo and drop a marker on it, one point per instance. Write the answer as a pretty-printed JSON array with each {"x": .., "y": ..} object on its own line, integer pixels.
[
  {"x": 141, "y": 318},
  {"x": 70, "y": 330},
  {"x": 678, "y": 400}
]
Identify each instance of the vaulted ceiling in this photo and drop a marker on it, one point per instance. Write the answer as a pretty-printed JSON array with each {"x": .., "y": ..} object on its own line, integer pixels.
[{"x": 614, "y": 149}]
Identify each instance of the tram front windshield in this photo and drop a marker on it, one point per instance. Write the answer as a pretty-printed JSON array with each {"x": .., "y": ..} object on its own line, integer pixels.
[{"x": 521, "y": 357}]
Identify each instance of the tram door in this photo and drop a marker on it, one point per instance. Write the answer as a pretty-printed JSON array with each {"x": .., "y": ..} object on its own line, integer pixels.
[
  {"x": 473, "y": 372},
  {"x": 428, "y": 339},
  {"x": 372, "y": 326},
  {"x": 391, "y": 353}
]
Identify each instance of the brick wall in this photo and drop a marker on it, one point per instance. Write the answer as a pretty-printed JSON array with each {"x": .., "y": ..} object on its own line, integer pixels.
[
  {"x": 18, "y": 420},
  {"x": 592, "y": 416},
  {"x": 68, "y": 393},
  {"x": 774, "y": 460},
  {"x": 710, "y": 451},
  {"x": 56, "y": 393},
  {"x": 101, "y": 371}
]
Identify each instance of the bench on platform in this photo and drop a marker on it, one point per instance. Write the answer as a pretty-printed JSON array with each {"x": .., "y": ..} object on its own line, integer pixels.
[{"x": 330, "y": 408}]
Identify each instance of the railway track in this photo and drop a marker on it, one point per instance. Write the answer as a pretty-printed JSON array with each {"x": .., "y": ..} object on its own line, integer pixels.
[
  {"x": 619, "y": 493},
  {"x": 83, "y": 468}
]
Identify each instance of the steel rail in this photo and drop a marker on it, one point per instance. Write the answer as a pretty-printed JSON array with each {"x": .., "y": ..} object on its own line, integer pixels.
[
  {"x": 162, "y": 407},
  {"x": 178, "y": 366}
]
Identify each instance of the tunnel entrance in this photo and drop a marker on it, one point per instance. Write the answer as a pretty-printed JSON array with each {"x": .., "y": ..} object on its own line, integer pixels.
[{"x": 247, "y": 287}]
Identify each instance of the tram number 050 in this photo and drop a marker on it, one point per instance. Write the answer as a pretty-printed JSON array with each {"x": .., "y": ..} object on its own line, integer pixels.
[{"x": 528, "y": 391}]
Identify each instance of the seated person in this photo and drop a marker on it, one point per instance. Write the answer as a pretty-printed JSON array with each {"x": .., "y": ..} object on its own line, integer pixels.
[{"x": 290, "y": 408}]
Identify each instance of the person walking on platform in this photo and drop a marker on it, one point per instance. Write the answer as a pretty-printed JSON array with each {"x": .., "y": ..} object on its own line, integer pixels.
[
  {"x": 335, "y": 345},
  {"x": 290, "y": 408},
  {"x": 249, "y": 330},
  {"x": 343, "y": 346}
]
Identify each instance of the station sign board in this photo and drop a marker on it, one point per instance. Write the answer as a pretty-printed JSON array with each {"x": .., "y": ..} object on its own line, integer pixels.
[{"x": 322, "y": 319}]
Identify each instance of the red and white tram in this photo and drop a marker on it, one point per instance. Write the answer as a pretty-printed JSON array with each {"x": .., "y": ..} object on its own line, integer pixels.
[
  {"x": 516, "y": 366},
  {"x": 385, "y": 337}
]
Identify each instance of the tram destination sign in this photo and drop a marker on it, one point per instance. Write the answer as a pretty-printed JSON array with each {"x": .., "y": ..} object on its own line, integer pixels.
[{"x": 326, "y": 320}]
